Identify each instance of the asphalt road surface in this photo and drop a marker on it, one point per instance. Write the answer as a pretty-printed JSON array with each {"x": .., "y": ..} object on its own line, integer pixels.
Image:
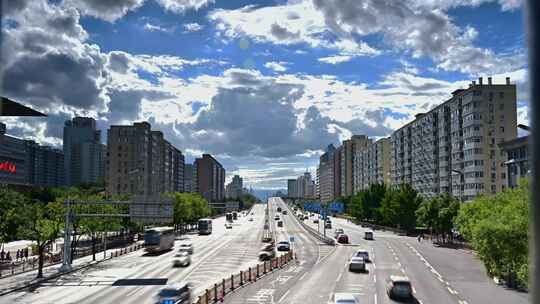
[
  {"x": 215, "y": 257},
  {"x": 438, "y": 275}
]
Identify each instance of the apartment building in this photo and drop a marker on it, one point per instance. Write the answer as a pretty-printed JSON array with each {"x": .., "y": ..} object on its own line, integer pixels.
[
  {"x": 189, "y": 181},
  {"x": 141, "y": 162},
  {"x": 301, "y": 187},
  {"x": 372, "y": 165},
  {"x": 455, "y": 146},
  {"x": 84, "y": 154},
  {"x": 235, "y": 188},
  {"x": 326, "y": 174},
  {"x": 209, "y": 177}
]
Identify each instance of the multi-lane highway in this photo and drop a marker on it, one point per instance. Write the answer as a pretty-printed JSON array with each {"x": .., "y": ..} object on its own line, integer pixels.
[
  {"x": 438, "y": 275},
  {"x": 216, "y": 256}
]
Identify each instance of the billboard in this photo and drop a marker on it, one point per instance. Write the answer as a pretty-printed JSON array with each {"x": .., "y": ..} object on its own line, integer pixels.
[{"x": 151, "y": 210}]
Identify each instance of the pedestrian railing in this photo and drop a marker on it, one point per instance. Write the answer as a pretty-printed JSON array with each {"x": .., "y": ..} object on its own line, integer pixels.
[
  {"x": 15, "y": 268},
  {"x": 220, "y": 289}
]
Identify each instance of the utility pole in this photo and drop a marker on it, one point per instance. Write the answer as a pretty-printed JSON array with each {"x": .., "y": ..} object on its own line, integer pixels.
[{"x": 66, "y": 262}]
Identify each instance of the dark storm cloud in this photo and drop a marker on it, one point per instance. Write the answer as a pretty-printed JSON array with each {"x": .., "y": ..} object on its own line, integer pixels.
[
  {"x": 119, "y": 61},
  {"x": 282, "y": 33}
]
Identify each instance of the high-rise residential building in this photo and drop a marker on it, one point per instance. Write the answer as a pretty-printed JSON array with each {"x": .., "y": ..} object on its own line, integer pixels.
[
  {"x": 209, "y": 178},
  {"x": 84, "y": 154},
  {"x": 26, "y": 163},
  {"x": 326, "y": 174},
  {"x": 188, "y": 178},
  {"x": 455, "y": 146},
  {"x": 292, "y": 188},
  {"x": 337, "y": 172},
  {"x": 235, "y": 188},
  {"x": 141, "y": 162},
  {"x": 372, "y": 165},
  {"x": 348, "y": 150}
]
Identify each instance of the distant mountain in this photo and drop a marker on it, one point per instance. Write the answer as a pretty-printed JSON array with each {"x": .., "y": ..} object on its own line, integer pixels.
[{"x": 264, "y": 194}]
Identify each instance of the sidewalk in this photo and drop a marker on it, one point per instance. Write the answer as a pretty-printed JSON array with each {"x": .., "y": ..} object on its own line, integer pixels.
[{"x": 22, "y": 280}]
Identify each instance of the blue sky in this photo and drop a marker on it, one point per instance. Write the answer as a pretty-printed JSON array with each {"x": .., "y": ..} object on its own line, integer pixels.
[{"x": 262, "y": 85}]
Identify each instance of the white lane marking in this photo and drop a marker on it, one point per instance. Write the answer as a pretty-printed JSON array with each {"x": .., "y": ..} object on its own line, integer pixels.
[
  {"x": 339, "y": 276},
  {"x": 303, "y": 276},
  {"x": 375, "y": 298},
  {"x": 420, "y": 302},
  {"x": 403, "y": 270},
  {"x": 374, "y": 266},
  {"x": 462, "y": 302},
  {"x": 283, "y": 296},
  {"x": 374, "y": 279},
  {"x": 399, "y": 264},
  {"x": 414, "y": 290},
  {"x": 452, "y": 291},
  {"x": 440, "y": 279}
]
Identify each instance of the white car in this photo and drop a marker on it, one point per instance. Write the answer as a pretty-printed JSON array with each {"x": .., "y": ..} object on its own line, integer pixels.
[
  {"x": 228, "y": 226},
  {"x": 345, "y": 298},
  {"x": 182, "y": 259},
  {"x": 363, "y": 253},
  {"x": 357, "y": 264},
  {"x": 186, "y": 247}
]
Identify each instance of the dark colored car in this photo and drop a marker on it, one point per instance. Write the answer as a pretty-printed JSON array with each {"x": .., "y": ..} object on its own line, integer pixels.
[{"x": 343, "y": 239}]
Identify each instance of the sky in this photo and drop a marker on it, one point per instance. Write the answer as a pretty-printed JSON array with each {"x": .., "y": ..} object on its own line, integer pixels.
[{"x": 264, "y": 86}]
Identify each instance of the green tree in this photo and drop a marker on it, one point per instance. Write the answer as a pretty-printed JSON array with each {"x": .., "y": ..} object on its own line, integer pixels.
[
  {"x": 438, "y": 214},
  {"x": 497, "y": 228},
  {"x": 10, "y": 202},
  {"x": 389, "y": 209},
  {"x": 408, "y": 201},
  {"x": 42, "y": 224}
]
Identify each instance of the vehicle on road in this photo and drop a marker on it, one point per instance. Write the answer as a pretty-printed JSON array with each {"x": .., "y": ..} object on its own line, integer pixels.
[
  {"x": 228, "y": 226},
  {"x": 338, "y": 231},
  {"x": 229, "y": 217},
  {"x": 278, "y": 209},
  {"x": 283, "y": 246},
  {"x": 182, "y": 259},
  {"x": 251, "y": 219},
  {"x": 176, "y": 293},
  {"x": 284, "y": 212},
  {"x": 267, "y": 252},
  {"x": 399, "y": 287},
  {"x": 186, "y": 247},
  {"x": 158, "y": 239},
  {"x": 234, "y": 216},
  {"x": 204, "y": 226},
  {"x": 277, "y": 217},
  {"x": 368, "y": 235},
  {"x": 306, "y": 217},
  {"x": 328, "y": 224},
  {"x": 280, "y": 223},
  {"x": 345, "y": 298},
  {"x": 363, "y": 253},
  {"x": 315, "y": 221},
  {"x": 343, "y": 239},
  {"x": 357, "y": 264}
]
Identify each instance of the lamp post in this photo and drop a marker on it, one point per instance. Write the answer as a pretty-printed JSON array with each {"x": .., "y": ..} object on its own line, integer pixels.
[{"x": 462, "y": 181}]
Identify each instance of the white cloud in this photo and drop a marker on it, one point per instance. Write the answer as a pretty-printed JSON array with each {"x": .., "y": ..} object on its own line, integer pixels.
[
  {"x": 283, "y": 25},
  {"x": 193, "y": 27},
  {"x": 181, "y": 6},
  {"x": 156, "y": 28},
  {"x": 335, "y": 59},
  {"x": 106, "y": 10},
  {"x": 276, "y": 66}
]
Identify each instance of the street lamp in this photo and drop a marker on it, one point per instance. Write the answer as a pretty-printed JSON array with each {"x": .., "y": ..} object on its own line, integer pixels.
[{"x": 462, "y": 176}]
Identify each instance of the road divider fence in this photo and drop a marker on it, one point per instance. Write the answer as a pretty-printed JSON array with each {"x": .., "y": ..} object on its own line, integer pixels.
[{"x": 220, "y": 289}]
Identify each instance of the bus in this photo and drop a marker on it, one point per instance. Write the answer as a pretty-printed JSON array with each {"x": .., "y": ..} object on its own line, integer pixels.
[
  {"x": 205, "y": 226},
  {"x": 158, "y": 239},
  {"x": 229, "y": 217}
]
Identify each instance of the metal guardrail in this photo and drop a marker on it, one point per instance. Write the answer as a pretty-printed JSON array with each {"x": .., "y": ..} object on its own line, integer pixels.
[
  {"x": 227, "y": 285},
  {"x": 315, "y": 233}
]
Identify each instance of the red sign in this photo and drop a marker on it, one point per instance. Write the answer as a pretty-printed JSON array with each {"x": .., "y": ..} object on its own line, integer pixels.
[{"x": 8, "y": 167}]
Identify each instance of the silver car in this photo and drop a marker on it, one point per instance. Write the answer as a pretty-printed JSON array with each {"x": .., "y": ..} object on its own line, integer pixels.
[
  {"x": 187, "y": 247},
  {"x": 357, "y": 264},
  {"x": 182, "y": 259}
]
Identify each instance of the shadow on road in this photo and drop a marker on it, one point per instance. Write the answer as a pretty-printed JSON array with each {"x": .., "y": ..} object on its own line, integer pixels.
[
  {"x": 140, "y": 282},
  {"x": 153, "y": 254}
]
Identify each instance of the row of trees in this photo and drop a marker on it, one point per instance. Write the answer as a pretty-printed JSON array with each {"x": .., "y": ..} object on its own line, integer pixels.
[{"x": 39, "y": 216}]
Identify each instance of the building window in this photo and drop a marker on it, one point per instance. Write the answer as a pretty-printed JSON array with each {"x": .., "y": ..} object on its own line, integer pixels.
[
  {"x": 501, "y": 95},
  {"x": 502, "y": 129},
  {"x": 501, "y": 106}
]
